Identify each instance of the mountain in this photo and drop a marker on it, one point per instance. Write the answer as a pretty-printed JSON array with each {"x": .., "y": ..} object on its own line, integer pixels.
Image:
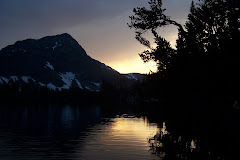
[{"x": 57, "y": 62}]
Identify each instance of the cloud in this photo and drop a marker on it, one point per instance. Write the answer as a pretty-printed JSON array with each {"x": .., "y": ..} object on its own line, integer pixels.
[
  {"x": 45, "y": 14},
  {"x": 33, "y": 17},
  {"x": 100, "y": 26}
]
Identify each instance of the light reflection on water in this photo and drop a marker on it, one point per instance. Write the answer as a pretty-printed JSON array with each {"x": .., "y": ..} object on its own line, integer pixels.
[
  {"x": 119, "y": 138},
  {"x": 70, "y": 132}
]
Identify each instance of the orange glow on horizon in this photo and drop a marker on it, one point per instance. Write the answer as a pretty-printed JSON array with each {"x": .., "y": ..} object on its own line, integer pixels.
[{"x": 134, "y": 66}]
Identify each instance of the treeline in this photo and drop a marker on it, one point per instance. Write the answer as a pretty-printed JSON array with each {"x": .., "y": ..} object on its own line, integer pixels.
[
  {"x": 15, "y": 93},
  {"x": 26, "y": 94},
  {"x": 203, "y": 69},
  {"x": 199, "y": 78}
]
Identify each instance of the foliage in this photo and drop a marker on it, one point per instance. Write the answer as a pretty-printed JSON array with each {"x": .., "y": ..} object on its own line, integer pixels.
[
  {"x": 150, "y": 20},
  {"x": 200, "y": 78},
  {"x": 212, "y": 27},
  {"x": 206, "y": 58},
  {"x": 14, "y": 93}
]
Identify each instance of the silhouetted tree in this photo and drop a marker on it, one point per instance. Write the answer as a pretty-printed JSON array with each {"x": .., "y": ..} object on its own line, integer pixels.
[
  {"x": 150, "y": 20},
  {"x": 212, "y": 27},
  {"x": 201, "y": 74},
  {"x": 207, "y": 50},
  {"x": 208, "y": 47}
]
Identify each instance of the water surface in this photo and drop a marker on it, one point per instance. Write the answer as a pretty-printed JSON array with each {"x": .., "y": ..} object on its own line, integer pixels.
[{"x": 73, "y": 132}]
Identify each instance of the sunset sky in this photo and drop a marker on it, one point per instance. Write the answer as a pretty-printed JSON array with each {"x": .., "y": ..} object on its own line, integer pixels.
[{"x": 100, "y": 26}]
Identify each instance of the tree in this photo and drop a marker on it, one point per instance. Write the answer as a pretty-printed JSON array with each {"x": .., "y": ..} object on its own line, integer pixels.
[
  {"x": 213, "y": 27},
  {"x": 211, "y": 37},
  {"x": 202, "y": 73},
  {"x": 206, "y": 58},
  {"x": 150, "y": 20}
]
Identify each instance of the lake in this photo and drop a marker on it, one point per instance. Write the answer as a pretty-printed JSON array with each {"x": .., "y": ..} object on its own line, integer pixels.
[
  {"x": 72, "y": 132},
  {"x": 99, "y": 133}
]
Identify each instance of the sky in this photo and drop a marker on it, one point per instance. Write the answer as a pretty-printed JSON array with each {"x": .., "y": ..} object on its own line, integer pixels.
[{"x": 99, "y": 26}]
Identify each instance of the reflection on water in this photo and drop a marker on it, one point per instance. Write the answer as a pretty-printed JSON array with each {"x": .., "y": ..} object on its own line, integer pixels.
[
  {"x": 169, "y": 146},
  {"x": 73, "y": 132},
  {"x": 68, "y": 132},
  {"x": 119, "y": 138}
]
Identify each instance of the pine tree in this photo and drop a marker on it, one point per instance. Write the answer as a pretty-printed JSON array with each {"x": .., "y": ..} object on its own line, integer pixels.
[
  {"x": 212, "y": 28},
  {"x": 207, "y": 55},
  {"x": 150, "y": 20}
]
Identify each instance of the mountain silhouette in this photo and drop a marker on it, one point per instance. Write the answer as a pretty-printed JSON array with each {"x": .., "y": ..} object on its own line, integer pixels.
[{"x": 57, "y": 62}]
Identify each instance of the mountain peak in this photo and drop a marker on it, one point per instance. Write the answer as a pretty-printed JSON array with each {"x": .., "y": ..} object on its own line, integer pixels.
[
  {"x": 64, "y": 36},
  {"x": 55, "y": 62},
  {"x": 50, "y": 42}
]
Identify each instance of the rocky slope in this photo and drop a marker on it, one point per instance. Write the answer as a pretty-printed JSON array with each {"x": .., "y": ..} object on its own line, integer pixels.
[{"x": 57, "y": 62}]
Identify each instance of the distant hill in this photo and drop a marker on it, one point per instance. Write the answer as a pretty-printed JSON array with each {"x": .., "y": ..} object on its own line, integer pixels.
[{"x": 57, "y": 62}]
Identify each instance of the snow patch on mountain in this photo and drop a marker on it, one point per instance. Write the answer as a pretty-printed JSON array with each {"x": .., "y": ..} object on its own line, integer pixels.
[
  {"x": 63, "y": 87},
  {"x": 14, "y": 78},
  {"x": 67, "y": 78},
  {"x": 131, "y": 76},
  {"x": 26, "y": 78},
  {"x": 41, "y": 84},
  {"x": 51, "y": 86},
  {"x": 87, "y": 88},
  {"x": 56, "y": 45},
  {"x": 4, "y": 79},
  {"x": 79, "y": 84},
  {"x": 97, "y": 84},
  {"x": 32, "y": 79},
  {"x": 49, "y": 66}
]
